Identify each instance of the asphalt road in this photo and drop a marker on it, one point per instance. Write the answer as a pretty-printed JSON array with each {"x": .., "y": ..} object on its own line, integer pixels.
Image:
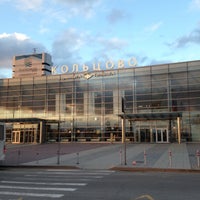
[{"x": 29, "y": 184}]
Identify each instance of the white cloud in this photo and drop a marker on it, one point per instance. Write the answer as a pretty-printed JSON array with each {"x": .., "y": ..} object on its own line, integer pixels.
[
  {"x": 67, "y": 46},
  {"x": 195, "y": 5},
  {"x": 60, "y": 11},
  {"x": 18, "y": 36},
  {"x": 154, "y": 27},
  {"x": 4, "y": 35},
  {"x": 85, "y": 8},
  {"x": 82, "y": 47},
  {"x": 113, "y": 43},
  {"x": 29, "y": 4}
]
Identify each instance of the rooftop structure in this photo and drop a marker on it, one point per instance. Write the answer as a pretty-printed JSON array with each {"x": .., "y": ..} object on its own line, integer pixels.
[{"x": 37, "y": 64}]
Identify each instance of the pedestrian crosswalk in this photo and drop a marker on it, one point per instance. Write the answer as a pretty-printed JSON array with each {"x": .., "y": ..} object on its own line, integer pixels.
[{"x": 46, "y": 184}]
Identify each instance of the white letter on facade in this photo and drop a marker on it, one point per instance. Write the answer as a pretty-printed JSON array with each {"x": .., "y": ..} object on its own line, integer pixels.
[
  {"x": 53, "y": 70},
  {"x": 85, "y": 68},
  {"x": 132, "y": 62},
  {"x": 75, "y": 68},
  {"x": 96, "y": 67},
  {"x": 64, "y": 69},
  {"x": 121, "y": 64},
  {"x": 109, "y": 65}
]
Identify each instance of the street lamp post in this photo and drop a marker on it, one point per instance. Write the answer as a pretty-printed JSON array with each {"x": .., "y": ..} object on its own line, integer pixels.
[
  {"x": 58, "y": 153},
  {"x": 72, "y": 131},
  {"x": 124, "y": 128}
]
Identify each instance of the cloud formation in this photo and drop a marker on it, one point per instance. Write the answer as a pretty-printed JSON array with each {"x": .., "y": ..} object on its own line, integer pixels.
[
  {"x": 15, "y": 44},
  {"x": 84, "y": 31},
  {"x": 85, "y": 8},
  {"x": 192, "y": 38},
  {"x": 33, "y": 5},
  {"x": 73, "y": 44},
  {"x": 116, "y": 15},
  {"x": 195, "y": 5},
  {"x": 154, "y": 27}
]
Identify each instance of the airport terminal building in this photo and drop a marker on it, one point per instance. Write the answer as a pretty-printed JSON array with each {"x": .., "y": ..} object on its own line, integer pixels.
[{"x": 155, "y": 104}]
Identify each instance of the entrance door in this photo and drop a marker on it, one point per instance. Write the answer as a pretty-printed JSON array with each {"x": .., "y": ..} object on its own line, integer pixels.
[
  {"x": 29, "y": 136},
  {"x": 158, "y": 135},
  {"x": 144, "y": 135},
  {"x": 16, "y": 135},
  {"x": 161, "y": 135}
]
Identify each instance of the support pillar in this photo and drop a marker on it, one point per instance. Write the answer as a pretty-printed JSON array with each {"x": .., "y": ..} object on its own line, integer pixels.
[
  {"x": 41, "y": 132},
  {"x": 179, "y": 130},
  {"x": 124, "y": 136},
  {"x": 123, "y": 129}
]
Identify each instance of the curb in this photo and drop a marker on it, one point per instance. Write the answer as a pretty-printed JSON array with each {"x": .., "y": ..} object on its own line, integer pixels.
[
  {"x": 125, "y": 169},
  {"x": 37, "y": 167},
  {"x": 131, "y": 169}
]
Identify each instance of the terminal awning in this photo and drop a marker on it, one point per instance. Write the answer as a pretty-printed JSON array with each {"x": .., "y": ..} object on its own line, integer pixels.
[
  {"x": 151, "y": 116},
  {"x": 26, "y": 120}
]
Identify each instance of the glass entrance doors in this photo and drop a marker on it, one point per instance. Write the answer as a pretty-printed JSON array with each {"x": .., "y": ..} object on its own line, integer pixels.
[
  {"x": 17, "y": 137},
  {"x": 29, "y": 136},
  {"x": 26, "y": 133},
  {"x": 158, "y": 135},
  {"x": 23, "y": 136},
  {"x": 145, "y": 135}
]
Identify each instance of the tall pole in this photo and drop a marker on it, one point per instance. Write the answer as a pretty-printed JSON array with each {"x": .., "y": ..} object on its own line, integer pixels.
[
  {"x": 58, "y": 153},
  {"x": 124, "y": 128},
  {"x": 59, "y": 117}
]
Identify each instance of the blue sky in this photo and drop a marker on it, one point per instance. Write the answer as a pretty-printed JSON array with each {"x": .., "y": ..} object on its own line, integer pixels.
[{"x": 91, "y": 31}]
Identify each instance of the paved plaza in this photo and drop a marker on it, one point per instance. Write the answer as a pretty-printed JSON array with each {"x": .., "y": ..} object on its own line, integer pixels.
[{"x": 116, "y": 155}]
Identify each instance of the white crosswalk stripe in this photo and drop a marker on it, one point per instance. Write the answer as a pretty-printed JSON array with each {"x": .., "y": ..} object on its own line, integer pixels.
[
  {"x": 44, "y": 183},
  {"x": 53, "y": 196},
  {"x": 38, "y": 188},
  {"x": 58, "y": 182}
]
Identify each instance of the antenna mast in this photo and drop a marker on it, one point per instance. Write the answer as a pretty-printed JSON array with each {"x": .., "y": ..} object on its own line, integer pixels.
[{"x": 34, "y": 50}]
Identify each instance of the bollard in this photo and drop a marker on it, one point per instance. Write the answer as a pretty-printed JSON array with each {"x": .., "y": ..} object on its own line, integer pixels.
[
  {"x": 170, "y": 158},
  {"x": 37, "y": 155},
  {"x": 198, "y": 155},
  {"x": 58, "y": 157},
  {"x": 120, "y": 156},
  {"x": 145, "y": 158},
  {"x": 77, "y": 154},
  {"x": 18, "y": 158},
  {"x": 134, "y": 162}
]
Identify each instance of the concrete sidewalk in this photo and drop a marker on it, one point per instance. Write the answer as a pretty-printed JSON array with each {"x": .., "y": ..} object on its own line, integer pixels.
[{"x": 157, "y": 156}]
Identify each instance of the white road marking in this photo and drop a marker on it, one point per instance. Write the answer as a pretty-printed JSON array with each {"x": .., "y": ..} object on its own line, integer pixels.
[
  {"x": 31, "y": 194},
  {"x": 72, "y": 173},
  {"x": 78, "y": 170},
  {"x": 57, "y": 178},
  {"x": 43, "y": 183},
  {"x": 64, "y": 170},
  {"x": 38, "y": 188},
  {"x": 77, "y": 175}
]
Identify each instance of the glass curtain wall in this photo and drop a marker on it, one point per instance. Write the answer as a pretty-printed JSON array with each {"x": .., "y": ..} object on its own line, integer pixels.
[
  {"x": 192, "y": 120},
  {"x": 87, "y": 105}
]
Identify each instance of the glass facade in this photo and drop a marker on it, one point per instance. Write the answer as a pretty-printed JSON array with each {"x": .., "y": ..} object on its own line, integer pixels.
[{"x": 87, "y": 106}]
